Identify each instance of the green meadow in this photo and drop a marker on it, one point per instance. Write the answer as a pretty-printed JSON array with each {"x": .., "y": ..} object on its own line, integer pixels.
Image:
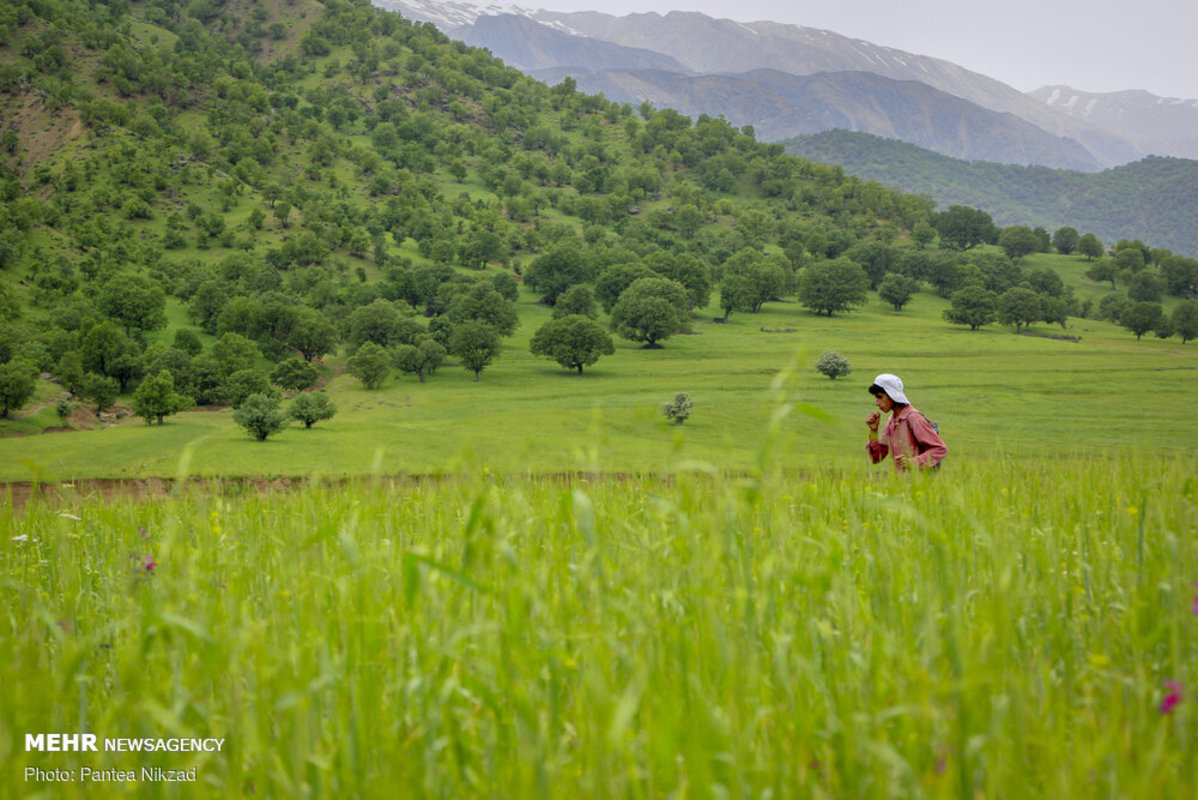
[{"x": 992, "y": 392}]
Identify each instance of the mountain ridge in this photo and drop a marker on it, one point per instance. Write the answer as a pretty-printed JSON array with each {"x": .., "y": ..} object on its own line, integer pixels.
[
  {"x": 1151, "y": 199},
  {"x": 557, "y": 47},
  {"x": 868, "y": 102},
  {"x": 707, "y": 45},
  {"x": 1158, "y": 125}
]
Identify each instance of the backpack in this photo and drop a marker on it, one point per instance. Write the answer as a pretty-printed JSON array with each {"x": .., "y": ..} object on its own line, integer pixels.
[{"x": 921, "y": 448}]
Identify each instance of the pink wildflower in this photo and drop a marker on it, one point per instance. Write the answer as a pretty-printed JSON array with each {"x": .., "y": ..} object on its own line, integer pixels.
[
  {"x": 1172, "y": 698},
  {"x": 143, "y": 567}
]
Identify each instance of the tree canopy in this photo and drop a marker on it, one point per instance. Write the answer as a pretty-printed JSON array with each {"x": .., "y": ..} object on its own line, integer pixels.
[
  {"x": 974, "y": 306},
  {"x": 650, "y": 310},
  {"x": 156, "y": 398},
  {"x": 962, "y": 227},
  {"x": 829, "y": 286},
  {"x": 476, "y": 344},
  {"x": 574, "y": 341},
  {"x": 311, "y": 407}
]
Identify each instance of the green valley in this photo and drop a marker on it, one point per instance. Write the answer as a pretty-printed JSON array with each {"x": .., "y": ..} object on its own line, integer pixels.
[
  {"x": 333, "y": 357},
  {"x": 261, "y": 198}
]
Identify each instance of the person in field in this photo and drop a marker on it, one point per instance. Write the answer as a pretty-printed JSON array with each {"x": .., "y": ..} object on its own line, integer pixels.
[{"x": 908, "y": 438}]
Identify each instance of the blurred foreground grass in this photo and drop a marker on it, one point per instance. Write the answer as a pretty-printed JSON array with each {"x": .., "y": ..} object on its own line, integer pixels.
[{"x": 1000, "y": 629}]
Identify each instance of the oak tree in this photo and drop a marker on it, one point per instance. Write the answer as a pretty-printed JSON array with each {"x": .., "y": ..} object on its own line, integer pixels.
[{"x": 574, "y": 341}]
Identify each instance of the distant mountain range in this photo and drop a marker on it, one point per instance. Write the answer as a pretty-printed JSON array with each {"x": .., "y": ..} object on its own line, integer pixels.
[
  {"x": 749, "y": 73},
  {"x": 925, "y": 124},
  {"x": 1165, "y": 126},
  {"x": 779, "y": 105},
  {"x": 1153, "y": 199}
]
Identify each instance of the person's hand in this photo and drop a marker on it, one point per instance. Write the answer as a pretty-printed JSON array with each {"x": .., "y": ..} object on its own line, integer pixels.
[
  {"x": 904, "y": 461},
  {"x": 872, "y": 420}
]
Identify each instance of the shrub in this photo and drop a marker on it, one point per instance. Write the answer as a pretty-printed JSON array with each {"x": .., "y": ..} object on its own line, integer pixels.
[
  {"x": 63, "y": 407},
  {"x": 678, "y": 410},
  {"x": 833, "y": 364}
]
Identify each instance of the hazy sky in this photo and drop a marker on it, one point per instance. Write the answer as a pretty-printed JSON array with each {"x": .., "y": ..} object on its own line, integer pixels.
[{"x": 1093, "y": 45}]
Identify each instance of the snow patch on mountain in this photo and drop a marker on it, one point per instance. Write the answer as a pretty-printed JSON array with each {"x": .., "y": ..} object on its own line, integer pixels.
[{"x": 451, "y": 13}]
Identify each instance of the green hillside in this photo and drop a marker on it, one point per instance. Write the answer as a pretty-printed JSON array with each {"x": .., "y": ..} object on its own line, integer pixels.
[{"x": 1153, "y": 199}]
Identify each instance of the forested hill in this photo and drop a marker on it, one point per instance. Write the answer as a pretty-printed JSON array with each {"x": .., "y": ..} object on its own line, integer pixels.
[
  {"x": 322, "y": 156},
  {"x": 200, "y": 202},
  {"x": 1153, "y": 199}
]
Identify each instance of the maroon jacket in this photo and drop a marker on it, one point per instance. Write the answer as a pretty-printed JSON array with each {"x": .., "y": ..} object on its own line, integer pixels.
[{"x": 908, "y": 432}]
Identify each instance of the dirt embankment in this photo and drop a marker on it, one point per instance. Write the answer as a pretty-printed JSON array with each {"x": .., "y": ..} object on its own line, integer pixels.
[
  {"x": 66, "y": 493},
  {"x": 107, "y": 489}
]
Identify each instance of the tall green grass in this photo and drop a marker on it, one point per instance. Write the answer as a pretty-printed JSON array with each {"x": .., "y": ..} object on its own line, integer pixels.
[{"x": 1003, "y": 628}]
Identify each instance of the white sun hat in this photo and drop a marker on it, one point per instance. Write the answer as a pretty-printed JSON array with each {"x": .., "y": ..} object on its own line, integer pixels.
[{"x": 892, "y": 385}]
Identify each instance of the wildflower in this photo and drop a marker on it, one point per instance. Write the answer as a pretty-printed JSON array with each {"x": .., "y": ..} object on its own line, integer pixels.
[
  {"x": 1172, "y": 698},
  {"x": 143, "y": 567},
  {"x": 942, "y": 761}
]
